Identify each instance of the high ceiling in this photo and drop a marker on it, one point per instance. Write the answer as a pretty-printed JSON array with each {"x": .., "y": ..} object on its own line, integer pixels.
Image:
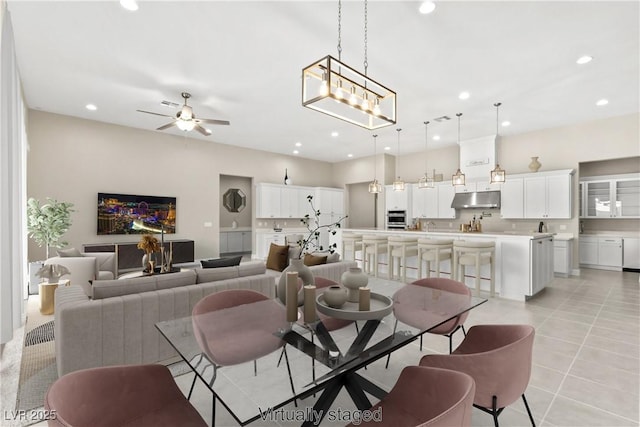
[{"x": 242, "y": 62}]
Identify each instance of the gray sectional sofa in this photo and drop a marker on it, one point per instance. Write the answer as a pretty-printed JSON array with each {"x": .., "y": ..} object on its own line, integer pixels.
[{"x": 116, "y": 323}]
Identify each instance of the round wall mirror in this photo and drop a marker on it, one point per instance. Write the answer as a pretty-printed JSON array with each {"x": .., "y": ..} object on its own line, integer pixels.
[{"x": 234, "y": 200}]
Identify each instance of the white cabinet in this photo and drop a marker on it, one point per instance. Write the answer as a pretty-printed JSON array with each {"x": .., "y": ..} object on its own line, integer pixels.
[
  {"x": 631, "y": 252},
  {"x": 446, "y": 191},
  {"x": 425, "y": 202},
  {"x": 235, "y": 241},
  {"x": 268, "y": 201},
  {"x": 264, "y": 240},
  {"x": 541, "y": 263},
  {"x": 547, "y": 196},
  {"x": 602, "y": 252},
  {"x": 488, "y": 186},
  {"x": 286, "y": 201},
  {"x": 611, "y": 197},
  {"x": 329, "y": 201},
  {"x": 562, "y": 257},
  {"x": 469, "y": 187},
  {"x": 512, "y": 198},
  {"x": 397, "y": 200}
]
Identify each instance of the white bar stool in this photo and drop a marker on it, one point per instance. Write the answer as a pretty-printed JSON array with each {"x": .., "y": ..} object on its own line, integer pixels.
[
  {"x": 470, "y": 253},
  {"x": 436, "y": 251},
  {"x": 401, "y": 247},
  {"x": 352, "y": 242},
  {"x": 373, "y": 245}
]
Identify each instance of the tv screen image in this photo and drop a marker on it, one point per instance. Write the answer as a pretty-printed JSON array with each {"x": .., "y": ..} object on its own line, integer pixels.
[{"x": 133, "y": 214}]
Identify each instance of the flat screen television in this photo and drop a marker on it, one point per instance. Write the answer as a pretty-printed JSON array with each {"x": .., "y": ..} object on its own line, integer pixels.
[{"x": 133, "y": 214}]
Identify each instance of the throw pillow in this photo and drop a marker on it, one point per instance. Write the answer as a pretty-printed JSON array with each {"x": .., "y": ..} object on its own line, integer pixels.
[
  {"x": 331, "y": 257},
  {"x": 310, "y": 260},
  {"x": 68, "y": 253},
  {"x": 221, "y": 262},
  {"x": 278, "y": 257}
]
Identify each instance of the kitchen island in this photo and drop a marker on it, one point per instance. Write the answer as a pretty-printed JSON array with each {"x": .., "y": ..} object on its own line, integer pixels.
[{"x": 523, "y": 263}]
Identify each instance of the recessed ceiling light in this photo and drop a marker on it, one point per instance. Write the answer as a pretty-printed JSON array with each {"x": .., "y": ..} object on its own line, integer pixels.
[
  {"x": 436, "y": 137},
  {"x": 131, "y": 5},
  {"x": 464, "y": 95},
  {"x": 296, "y": 152},
  {"x": 349, "y": 155},
  {"x": 334, "y": 134},
  {"x": 298, "y": 144},
  {"x": 427, "y": 7},
  {"x": 584, "y": 59},
  {"x": 91, "y": 107},
  {"x": 387, "y": 148},
  {"x": 602, "y": 102},
  {"x": 506, "y": 123}
]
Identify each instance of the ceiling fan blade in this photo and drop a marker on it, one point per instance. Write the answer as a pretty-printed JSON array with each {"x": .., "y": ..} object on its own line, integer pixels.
[
  {"x": 155, "y": 114},
  {"x": 205, "y": 132},
  {"x": 167, "y": 126},
  {"x": 213, "y": 121}
]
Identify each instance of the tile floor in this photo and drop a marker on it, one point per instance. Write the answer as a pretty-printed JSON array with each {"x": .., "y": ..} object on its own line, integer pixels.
[{"x": 586, "y": 358}]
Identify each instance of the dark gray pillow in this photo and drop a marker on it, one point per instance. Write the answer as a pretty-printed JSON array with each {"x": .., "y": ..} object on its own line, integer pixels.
[
  {"x": 68, "y": 253},
  {"x": 221, "y": 262}
]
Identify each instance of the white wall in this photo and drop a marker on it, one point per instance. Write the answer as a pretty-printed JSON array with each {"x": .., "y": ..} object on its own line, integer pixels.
[{"x": 73, "y": 159}]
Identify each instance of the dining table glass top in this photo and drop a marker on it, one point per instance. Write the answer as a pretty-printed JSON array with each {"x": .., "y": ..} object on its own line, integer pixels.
[{"x": 314, "y": 355}]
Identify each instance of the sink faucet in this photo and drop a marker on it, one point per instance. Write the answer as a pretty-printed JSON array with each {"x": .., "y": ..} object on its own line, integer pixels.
[{"x": 429, "y": 224}]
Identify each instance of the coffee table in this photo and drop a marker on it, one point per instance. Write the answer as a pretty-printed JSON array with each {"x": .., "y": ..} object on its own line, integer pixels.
[{"x": 251, "y": 395}]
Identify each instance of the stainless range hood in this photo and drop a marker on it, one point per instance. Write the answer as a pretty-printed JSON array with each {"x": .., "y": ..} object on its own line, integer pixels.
[{"x": 479, "y": 199}]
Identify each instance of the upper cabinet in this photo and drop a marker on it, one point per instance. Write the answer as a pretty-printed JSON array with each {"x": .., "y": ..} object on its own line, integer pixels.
[
  {"x": 424, "y": 202},
  {"x": 512, "y": 198},
  {"x": 537, "y": 195},
  {"x": 286, "y": 201},
  {"x": 398, "y": 200},
  {"x": 616, "y": 196}
]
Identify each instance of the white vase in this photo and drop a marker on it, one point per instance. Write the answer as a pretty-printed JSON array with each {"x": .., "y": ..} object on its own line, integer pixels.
[
  {"x": 353, "y": 280},
  {"x": 234, "y": 224},
  {"x": 534, "y": 165},
  {"x": 335, "y": 296},
  {"x": 304, "y": 273}
]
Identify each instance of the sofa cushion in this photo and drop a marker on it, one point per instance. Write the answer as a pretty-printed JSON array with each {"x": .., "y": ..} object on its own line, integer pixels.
[
  {"x": 221, "y": 262},
  {"x": 113, "y": 288},
  {"x": 314, "y": 260},
  {"x": 215, "y": 274},
  {"x": 105, "y": 275},
  {"x": 70, "y": 252},
  {"x": 278, "y": 257},
  {"x": 331, "y": 257},
  {"x": 175, "y": 280},
  {"x": 251, "y": 268}
]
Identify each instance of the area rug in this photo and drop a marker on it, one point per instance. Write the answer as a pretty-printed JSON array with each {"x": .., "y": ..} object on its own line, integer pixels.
[{"x": 38, "y": 363}]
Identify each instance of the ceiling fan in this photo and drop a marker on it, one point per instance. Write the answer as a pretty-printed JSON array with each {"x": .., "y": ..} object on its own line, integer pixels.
[{"x": 185, "y": 119}]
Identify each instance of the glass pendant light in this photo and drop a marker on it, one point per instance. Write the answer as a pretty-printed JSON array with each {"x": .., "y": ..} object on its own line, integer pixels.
[
  {"x": 458, "y": 178},
  {"x": 398, "y": 185},
  {"x": 497, "y": 174},
  {"x": 375, "y": 187},
  {"x": 425, "y": 181}
]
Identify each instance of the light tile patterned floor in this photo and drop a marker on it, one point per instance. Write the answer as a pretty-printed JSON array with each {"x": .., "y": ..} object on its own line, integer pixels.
[{"x": 586, "y": 359}]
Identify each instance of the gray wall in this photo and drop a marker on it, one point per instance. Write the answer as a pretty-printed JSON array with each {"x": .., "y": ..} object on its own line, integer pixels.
[{"x": 244, "y": 217}]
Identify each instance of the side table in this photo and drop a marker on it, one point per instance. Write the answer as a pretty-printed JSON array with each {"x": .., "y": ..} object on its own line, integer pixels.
[{"x": 47, "y": 297}]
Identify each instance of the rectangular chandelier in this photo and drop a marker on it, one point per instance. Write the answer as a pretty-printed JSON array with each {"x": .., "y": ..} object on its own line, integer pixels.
[{"x": 333, "y": 88}]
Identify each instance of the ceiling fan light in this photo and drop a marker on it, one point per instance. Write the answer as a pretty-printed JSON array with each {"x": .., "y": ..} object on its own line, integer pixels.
[{"x": 185, "y": 125}]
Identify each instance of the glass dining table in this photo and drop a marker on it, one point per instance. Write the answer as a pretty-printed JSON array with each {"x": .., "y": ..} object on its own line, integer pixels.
[{"x": 318, "y": 362}]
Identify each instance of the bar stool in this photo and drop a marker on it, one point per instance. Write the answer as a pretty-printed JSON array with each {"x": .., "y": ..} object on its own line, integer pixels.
[
  {"x": 353, "y": 242},
  {"x": 436, "y": 251},
  {"x": 469, "y": 253},
  {"x": 401, "y": 247},
  {"x": 373, "y": 245}
]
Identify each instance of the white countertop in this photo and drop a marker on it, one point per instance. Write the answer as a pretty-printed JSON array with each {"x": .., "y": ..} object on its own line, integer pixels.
[
  {"x": 628, "y": 234},
  {"x": 491, "y": 234},
  {"x": 227, "y": 229}
]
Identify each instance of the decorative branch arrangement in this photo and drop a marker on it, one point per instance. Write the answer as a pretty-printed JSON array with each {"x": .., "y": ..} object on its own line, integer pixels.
[{"x": 314, "y": 227}]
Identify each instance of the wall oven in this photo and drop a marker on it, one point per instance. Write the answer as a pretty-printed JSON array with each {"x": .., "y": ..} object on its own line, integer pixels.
[{"x": 396, "y": 220}]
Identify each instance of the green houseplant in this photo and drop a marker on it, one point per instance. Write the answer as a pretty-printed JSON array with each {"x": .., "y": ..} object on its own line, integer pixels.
[{"x": 47, "y": 223}]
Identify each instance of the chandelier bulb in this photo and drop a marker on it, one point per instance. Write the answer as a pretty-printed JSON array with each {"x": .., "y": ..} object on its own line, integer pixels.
[
  {"x": 339, "y": 91},
  {"x": 324, "y": 86},
  {"x": 376, "y": 106},
  {"x": 353, "y": 99}
]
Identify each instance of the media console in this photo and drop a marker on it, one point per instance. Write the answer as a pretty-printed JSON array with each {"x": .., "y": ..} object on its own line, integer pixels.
[{"x": 129, "y": 257}]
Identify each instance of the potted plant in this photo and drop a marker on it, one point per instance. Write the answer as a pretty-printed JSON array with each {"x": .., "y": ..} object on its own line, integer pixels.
[{"x": 47, "y": 223}]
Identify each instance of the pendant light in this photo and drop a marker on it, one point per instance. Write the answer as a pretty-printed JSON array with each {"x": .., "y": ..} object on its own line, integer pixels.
[
  {"x": 398, "y": 185},
  {"x": 425, "y": 181},
  {"x": 497, "y": 174},
  {"x": 375, "y": 187},
  {"x": 458, "y": 178}
]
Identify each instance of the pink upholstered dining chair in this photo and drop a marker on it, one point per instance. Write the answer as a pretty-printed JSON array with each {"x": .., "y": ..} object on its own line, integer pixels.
[
  {"x": 425, "y": 397},
  {"x": 447, "y": 329},
  {"x": 229, "y": 340},
  {"x": 498, "y": 357},
  {"x": 140, "y": 395}
]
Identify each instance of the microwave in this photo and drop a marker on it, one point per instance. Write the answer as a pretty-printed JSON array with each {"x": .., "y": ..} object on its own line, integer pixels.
[{"x": 396, "y": 219}]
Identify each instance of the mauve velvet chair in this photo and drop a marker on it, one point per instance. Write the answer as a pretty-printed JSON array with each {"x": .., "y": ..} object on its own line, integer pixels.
[
  {"x": 227, "y": 341},
  {"x": 498, "y": 357},
  {"x": 113, "y": 396},
  {"x": 426, "y": 397},
  {"x": 446, "y": 329}
]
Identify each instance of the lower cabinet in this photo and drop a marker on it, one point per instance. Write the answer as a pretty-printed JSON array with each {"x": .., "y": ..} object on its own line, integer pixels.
[
  {"x": 129, "y": 257},
  {"x": 562, "y": 257},
  {"x": 235, "y": 242},
  {"x": 601, "y": 252},
  {"x": 541, "y": 263}
]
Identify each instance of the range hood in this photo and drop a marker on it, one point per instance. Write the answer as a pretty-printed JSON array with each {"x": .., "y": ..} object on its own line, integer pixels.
[{"x": 479, "y": 199}]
